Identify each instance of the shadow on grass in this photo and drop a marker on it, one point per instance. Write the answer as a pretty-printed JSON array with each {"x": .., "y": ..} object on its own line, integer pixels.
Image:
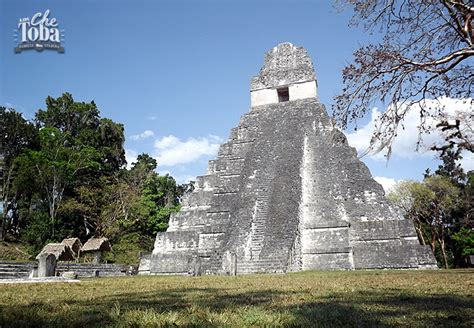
[{"x": 209, "y": 307}]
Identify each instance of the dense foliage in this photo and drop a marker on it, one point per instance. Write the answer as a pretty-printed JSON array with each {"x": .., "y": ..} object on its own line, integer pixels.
[
  {"x": 442, "y": 209},
  {"x": 65, "y": 176}
]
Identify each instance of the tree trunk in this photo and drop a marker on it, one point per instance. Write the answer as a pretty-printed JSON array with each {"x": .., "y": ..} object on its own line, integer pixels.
[
  {"x": 4, "y": 219},
  {"x": 443, "y": 251},
  {"x": 433, "y": 240},
  {"x": 4, "y": 223},
  {"x": 5, "y": 192},
  {"x": 419, "y": 231},
  {"x": 443, "y": 246}
]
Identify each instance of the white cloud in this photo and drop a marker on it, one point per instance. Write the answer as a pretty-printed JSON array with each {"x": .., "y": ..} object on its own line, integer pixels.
[
  {"x": 131, "y": 157},
  {"x": 145, "y": 134},
  {"x": 180, "y": 178},
  {"x": 405, "y": 143},
  {"x": 184, "y": 178},
  {"x": 166, "y": 142},
  {"x": 360, "y": 139},
  {"x": 171, "y": 151},
  {"x": 467, "y": 161},
  {"x": 387, "y": 183},
  {"x": 152, "y": 118}
]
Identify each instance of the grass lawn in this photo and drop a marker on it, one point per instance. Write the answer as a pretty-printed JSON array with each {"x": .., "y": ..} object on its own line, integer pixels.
[{"x": 308, "y": 299}]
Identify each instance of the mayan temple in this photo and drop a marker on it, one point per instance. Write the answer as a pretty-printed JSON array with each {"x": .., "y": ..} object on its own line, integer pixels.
[{"x": 286, "y": 193}]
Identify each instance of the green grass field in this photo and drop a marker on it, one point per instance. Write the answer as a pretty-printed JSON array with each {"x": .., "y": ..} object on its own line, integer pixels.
[{"x": 308, "y": 299}]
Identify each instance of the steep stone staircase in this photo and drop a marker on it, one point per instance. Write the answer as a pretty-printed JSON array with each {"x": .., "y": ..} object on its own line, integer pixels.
[{"x": 257, "y": 230}]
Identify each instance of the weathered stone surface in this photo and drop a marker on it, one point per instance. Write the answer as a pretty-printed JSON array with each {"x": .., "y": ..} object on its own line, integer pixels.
[
  {"x": 145, "y": 263},
  {"x": 69, "y": 275},
  {"x": 284, "y": 65},
  {"x": 47, "y": 265},
  {"x": 12, "y": 270},
  {"x": 286, "y": 193},
  {"x": 85, "y": 270}
]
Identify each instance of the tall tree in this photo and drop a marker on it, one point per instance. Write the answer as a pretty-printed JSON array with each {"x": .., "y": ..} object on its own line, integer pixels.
[
  {"x": 426, "y": 52},
  {"x": 56, "y": 165},
  {"x": 436, "y": 207},
  {"x": 82, "y": 121},
  {"x": 79, "y": 156},
  {"x": 16, "y": 135},
  {"x": 444, "y": 203}
]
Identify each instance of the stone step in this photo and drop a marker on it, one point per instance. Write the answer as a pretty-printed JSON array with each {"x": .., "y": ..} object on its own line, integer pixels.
[
  {"x": 25, "y": 268},
  {"x": 205, "y": 182},
  {"x": 2, "y": 270},
  {"x": 89, "y": 269},
  {"x": 16, "y": 265},
  {"x": 261, "y": 264},
  {"x": 93, "y": 270},
  {"x": 90, "y": 265},
  {"x": 9, "y": 269},
  {"x": 258, "y": 229},
  {"x": 275, "y": 259},
  {"x": 14, "y": 275},
  {"x": 14, "y": 271},
  {"x": 263, "y": 268}
]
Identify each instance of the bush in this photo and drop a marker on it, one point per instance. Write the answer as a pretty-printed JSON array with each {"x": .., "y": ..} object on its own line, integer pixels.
[
  {"x": 464, "y": 242},
  {"x": 37, "y": 233},
  {"x": 127, "y": 248}
]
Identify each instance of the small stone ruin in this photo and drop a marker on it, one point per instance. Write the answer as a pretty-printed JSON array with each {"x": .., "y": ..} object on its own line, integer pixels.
[{"x": 50, "y": 255}]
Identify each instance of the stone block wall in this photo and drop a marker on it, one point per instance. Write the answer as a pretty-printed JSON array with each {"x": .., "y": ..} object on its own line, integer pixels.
[{"x": 286, "y": 193}]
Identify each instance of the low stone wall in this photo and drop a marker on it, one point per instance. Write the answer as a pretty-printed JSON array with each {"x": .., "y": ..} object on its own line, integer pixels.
[
  {"x": 15, "y": 270},
  {"x": 22, "y": 270},
  {"x": 93, "y": 270}
]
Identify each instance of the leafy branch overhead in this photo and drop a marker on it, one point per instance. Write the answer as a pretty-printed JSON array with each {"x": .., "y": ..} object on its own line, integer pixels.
[{"x": 425, "y": 52}]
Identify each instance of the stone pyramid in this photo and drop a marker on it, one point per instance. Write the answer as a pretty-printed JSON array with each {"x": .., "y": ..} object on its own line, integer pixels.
[{"x": 286, "y": 193}]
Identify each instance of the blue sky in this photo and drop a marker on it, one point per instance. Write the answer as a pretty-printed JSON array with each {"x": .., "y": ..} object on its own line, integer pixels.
[{"x": 177, "y": 73}]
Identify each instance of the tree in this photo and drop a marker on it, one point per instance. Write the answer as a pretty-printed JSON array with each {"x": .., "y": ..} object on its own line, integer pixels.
[
  {"x": 450, "y": 167},
  {"x": 159, "y": 198},
  {"x": 464, "y": 240},
  {"x": 410, "y": 197},
  {"x": 437, "y": 208},
  {"x": 141, "y": 200},
  {"x": 66, "y": 115},
  {"x": 56, "y": 165},
  {"x": 81, "y": 155},
  {"x": 67, "y": 176},
  {"x": 443, "y": 206},
  {"x": 425, "y": 53},
  {"x": 16, "y": 135},
  {"x": 82, "y": 121}
]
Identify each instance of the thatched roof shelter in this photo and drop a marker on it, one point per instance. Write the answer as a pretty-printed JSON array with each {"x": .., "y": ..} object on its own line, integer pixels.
[
  {"x": 94, "y": 244},
  {"x": 62, "y": 252},
  {"x": 74, "y": 243}
]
